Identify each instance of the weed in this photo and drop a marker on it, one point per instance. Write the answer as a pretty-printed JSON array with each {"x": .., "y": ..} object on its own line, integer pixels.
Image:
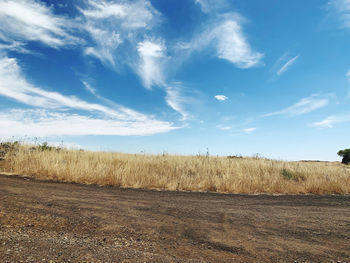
[
  {"x": 289, "y": 175},
  {"x": 174, "y": 172}
]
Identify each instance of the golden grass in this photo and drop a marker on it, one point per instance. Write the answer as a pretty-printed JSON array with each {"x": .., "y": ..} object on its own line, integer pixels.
[{"x": 171, "y": 172}]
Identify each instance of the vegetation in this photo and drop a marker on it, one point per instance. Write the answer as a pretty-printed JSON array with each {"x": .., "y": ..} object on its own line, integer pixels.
[
  {"x": 172, "y": 172},
  {"x": 346, "y": 156},
  {"x": 289, "y": 175}
]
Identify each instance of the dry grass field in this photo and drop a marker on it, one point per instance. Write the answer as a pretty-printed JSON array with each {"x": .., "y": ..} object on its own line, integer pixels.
[{"x": 172, "y": 172}]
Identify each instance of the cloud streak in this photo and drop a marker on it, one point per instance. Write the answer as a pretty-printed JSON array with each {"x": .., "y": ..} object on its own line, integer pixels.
[
  {"x": 342, "y": 8},
  {"x": 14, "y": 85},
  {"x": 44, "y": 123},
  {"x": 330, "y": 121},
  {"x": 249, "y": 130},
  {"x": 303, "y": 106},
  {"x": 176, "y": 101},
  {"x": 208, "y": 6},
  {"x": 287, "y": 65},
  {"x": 29, "y": 20}
]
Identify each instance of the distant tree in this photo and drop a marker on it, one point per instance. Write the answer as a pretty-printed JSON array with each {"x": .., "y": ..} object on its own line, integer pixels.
[{"x": 346, "y": 155}]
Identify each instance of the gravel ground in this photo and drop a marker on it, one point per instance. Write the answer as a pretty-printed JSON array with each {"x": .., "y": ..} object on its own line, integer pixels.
[{"x": 42, "y": 221}]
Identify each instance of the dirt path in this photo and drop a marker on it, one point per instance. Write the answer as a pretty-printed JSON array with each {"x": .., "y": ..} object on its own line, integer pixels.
[{"x": 60, "y": 222}]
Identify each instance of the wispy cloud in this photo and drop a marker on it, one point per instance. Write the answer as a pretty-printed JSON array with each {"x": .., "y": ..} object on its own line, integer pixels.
[
  {"x": 107, "y": 43},
  {"x": 209, "y": 6},
  {"x": 342, "y": 8},
  {"x": 330, "y": 121},
  {"x": 14, "y": 46},
  {"x": 118, "y": 28},
  {"x": 176, "y": 100},
  {"x": 221, "y": 97},
  {"x": 226, "y": 38},
  {"x": 130, "y": 15},
  {"x": 29, "y": 20},
  {"x": 116, "y": 25},
  {"x": 287, "y": 65},
  {"x": 88, "y": 87},
  {"x": 14, "y": 85},
  {"x": 303, "y": 106},
  {"x": 230, "y": 43},
  {"x": 233, "y": 46},
  {"x": 224, "y": 127},
  {"x": 44, "y": 123},
  {"x": 249, "y": 130},
  {"x": 150, "y": 68}
]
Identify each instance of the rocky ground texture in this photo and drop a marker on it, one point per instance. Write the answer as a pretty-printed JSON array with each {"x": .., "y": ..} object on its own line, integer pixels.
[{"x": 43, "y": 221}]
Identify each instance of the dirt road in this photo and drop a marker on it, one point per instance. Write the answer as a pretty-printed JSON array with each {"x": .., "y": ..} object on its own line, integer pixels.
[{"x": 61, "y": 222}]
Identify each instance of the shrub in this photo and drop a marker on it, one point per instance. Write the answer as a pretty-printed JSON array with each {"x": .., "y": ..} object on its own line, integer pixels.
[
  {"x": 7, "y": 147},
  {"x": 346, "y": 156},
  {"x": 289, "y": 175},
  {"x": 46, "y": 147}
]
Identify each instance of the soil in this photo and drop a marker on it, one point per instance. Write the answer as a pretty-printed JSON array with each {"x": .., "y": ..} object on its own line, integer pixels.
[{"x": 45, "y": 221}]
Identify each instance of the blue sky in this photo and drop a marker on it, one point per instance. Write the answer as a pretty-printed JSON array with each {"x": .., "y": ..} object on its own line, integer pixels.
[{"x": 234, "y": 77}]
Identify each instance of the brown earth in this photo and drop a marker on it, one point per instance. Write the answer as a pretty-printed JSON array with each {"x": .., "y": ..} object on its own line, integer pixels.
[{"x": 43, "y": 221}]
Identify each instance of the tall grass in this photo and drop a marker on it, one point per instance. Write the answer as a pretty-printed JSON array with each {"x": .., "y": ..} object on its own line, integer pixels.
[{"x": 172, "y": 172}]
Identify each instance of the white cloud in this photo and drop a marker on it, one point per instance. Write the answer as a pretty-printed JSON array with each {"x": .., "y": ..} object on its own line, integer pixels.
[
  {"x": 14, "y": 46},
  {"x": 103, "y": 9},
  {"x": 249, "y": 130},
  {"x": 42, "y": 123},
  {"x": 220, "y": 97},
  {"x": 151, "y": 63},
  {"x": 130, "y": 15},
  {"x": 111, "y": 24},
  {"x": 229, "y": 42},
  {"x": 15, "y": 86},
  {"x": 303, "y": 106},
  {"x": 330, "y": 121},
  {"x": 151, "y": 70},
  {"x": 342, "y": 8},
  {"x": 176, "y": 101},
  {"x": 107, "y": 43},
  {"x": 29, "y": 20},
  {"x": 232, "y": 45},
  {"x": 89, "y": 87},
  {"x": 287, "y": 65},
  {"x": 208, "y": 6},
  {"x": 118, "y": 120},
  {"x": 223, "y": 127}
]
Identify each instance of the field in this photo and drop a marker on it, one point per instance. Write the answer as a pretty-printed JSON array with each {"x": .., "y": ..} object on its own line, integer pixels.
[
  {"x": 61, "y": 205},
  {"x": 183, "y": 173}
]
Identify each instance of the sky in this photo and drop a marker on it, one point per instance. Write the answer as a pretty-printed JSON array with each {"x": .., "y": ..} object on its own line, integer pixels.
[{"x": 180, "y": 77}]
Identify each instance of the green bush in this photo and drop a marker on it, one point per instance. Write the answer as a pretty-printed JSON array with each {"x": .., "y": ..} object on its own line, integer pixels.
[{"x": 289, "y": 175}]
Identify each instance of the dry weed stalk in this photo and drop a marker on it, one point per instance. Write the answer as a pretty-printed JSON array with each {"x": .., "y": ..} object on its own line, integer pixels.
[{"x": 172, "y": 172}]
